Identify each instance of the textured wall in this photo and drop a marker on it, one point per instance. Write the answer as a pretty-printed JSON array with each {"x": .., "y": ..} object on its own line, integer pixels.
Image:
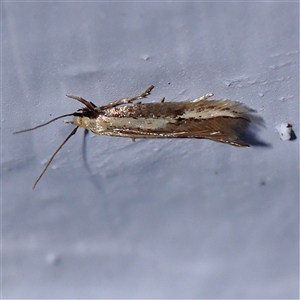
[{"x": 154, "y": 218}]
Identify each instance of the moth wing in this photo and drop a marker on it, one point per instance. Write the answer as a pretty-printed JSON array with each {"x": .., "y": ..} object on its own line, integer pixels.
[
  {"x": 219, "y": 130},
  {"x": 220, "y": 120}
]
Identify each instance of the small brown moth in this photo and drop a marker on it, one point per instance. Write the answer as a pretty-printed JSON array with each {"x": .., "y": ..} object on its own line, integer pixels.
[{"x": 218, "y": 120}]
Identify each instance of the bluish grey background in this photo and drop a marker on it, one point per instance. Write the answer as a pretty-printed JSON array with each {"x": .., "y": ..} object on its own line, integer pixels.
[{"x": 154, "y": 218}]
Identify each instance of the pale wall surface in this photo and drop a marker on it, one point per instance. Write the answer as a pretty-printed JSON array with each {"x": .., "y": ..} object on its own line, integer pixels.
[{"x": 154, "y": 218}]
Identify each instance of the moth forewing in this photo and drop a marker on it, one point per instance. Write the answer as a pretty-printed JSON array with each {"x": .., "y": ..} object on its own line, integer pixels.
[{"x": 218, "y": 120}]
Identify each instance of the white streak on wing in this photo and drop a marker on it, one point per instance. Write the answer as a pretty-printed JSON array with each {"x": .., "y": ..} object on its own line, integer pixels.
[
  {"x": 141, "y": 123},
  {"x": 207, "y": 113}
]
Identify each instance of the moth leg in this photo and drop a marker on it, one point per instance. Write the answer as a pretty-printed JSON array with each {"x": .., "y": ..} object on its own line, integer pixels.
[
  {"x": 130, "y": 99},
  {"x": 205, "y": 97},
  {"x": 88, "y": 104}
]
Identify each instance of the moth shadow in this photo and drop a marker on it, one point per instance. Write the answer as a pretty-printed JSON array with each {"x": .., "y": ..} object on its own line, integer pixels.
[
  {"x": 250, "y": 134},
  {"x": 94, "y": 178}
]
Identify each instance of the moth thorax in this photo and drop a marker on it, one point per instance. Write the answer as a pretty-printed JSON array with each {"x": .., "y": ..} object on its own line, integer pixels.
[
  {"x": 83, "y": 122},
  {"x": 96, "y": 125}
]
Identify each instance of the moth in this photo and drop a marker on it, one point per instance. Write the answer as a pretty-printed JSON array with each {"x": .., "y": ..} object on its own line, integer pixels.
[{"x": 223, "y": 121}]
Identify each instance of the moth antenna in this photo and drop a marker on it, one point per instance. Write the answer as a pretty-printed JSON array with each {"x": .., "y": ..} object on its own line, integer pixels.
[
  {"x": 53, "y": 155},
  {"x": 44, "y": 124}
]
